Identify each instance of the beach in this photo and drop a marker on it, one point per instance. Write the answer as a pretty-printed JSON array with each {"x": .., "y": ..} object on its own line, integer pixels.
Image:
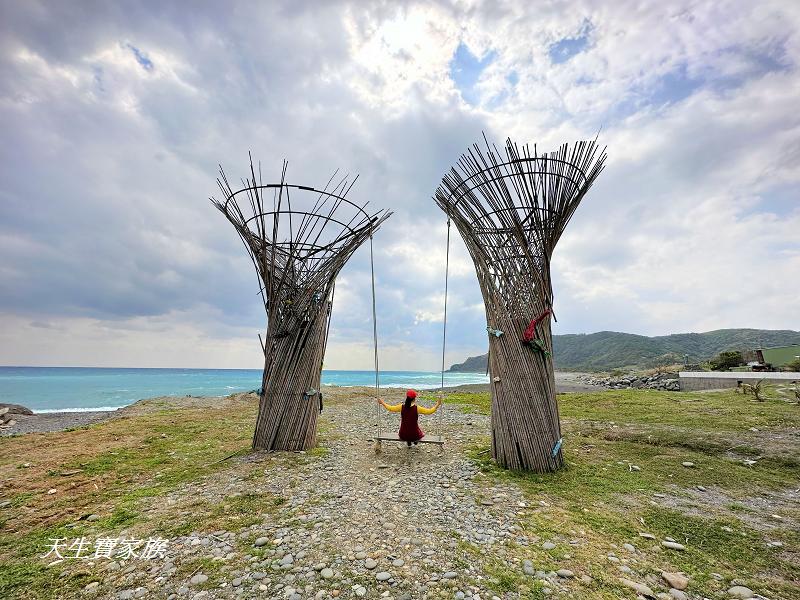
[{"x": 61, "y": 420}]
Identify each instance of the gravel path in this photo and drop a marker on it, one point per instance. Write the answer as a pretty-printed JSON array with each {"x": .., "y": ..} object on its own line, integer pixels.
[{"x": 353, "y": 524}]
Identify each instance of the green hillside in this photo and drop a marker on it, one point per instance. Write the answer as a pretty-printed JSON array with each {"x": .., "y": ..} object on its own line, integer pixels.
[{"x": 606, "y": 350}]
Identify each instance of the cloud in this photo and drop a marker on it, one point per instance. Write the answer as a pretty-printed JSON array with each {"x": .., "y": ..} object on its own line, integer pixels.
[{"x": 116, "y": 118}]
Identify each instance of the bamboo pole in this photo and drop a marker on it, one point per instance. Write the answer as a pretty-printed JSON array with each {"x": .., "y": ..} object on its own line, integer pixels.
[
  {"x": 511, "y": 211},
  {"x": 298, "y": 241}
]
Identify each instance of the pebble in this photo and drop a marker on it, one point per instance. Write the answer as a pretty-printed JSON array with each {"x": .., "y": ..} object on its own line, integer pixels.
[
  {"x": 361, "y": 591},
  {"x": 673, "y": 545},
  {"x": 548, "y": 546},
  {"x": 676, "y": 580},
  {"x": 262, "y": 541},
  {"x": 326, "y": 573},
  {"x": 565, "y": 573},
  {"x": 198, "y": 579},
  {"x": 688, "y": 464},
  {"x": 370, "y": 563},
  {"x": 740, "y": 591},
  {"x": 629, "y": 547},
  {"x": 640, "y": 588},
  {"x": 677, "y": 594},
  {"x": 527, "y": 567},
  {"x": 383, "y": 576}
]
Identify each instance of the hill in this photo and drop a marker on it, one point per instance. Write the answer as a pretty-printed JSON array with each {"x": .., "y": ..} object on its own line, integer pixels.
[{"x": 606, "y": 350}]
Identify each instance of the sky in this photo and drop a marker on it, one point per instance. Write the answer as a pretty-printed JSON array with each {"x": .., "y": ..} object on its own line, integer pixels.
[{"x": 116, "y": 116}]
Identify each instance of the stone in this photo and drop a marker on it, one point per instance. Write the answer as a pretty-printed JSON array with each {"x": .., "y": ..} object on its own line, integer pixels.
[
  {"x": 647, "y": 536},
  {"x": 16, "y": 409},
  {"x": 527, "y": 567},
  {"x": 198, "y": 579},
  {"x": 236, "y": 582},
  {"x": 326, "y": 573},
  {"x": 450, "y": 575},
  {"x": 629, "y": 547},
  {"x": 383, "y": 576},
  {"x": 548, "y": 546},
  {"x": 90, "y": 587},
  {"x": 565, "y": 573},
  {"x": 673, "y": 546},
  {"x": 676, "y": 580},
  {"x": 361, "y": 591},
  {"x": 262, "y": 541},
  {"x": 677, "y": 594},
  {"x": 688, "y": 464},
  {"x": 398, "y": 562},
  {"x": 370, "y": 563},
  {"x": 740, "y": 591},
  {"x": 639, "y": 588}
]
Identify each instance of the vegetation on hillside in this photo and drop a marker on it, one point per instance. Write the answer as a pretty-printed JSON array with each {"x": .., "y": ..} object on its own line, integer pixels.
[{"x": 607, "y": 350}]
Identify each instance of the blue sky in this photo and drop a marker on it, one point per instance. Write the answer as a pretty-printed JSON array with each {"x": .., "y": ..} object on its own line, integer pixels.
[{"x": 116, "y": 117}]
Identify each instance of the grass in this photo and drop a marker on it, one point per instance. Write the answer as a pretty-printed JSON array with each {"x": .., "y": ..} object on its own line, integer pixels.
[
  {"x": 598, "y": 498},
  {"x": 119, "y": 463},
  {"x": 121, "y": 469}
]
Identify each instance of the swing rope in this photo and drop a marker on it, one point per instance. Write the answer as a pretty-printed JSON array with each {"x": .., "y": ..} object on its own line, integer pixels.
[
  {"x": 444, "y": 321},
  {"x": 378, "y": 413}
]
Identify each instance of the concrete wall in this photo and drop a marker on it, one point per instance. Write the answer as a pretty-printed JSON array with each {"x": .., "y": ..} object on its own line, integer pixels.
[{"x": 711, "y": 380}]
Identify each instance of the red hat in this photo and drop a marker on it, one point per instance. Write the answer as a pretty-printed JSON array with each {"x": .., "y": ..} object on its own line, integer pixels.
[{"x": 411, "y": 394}]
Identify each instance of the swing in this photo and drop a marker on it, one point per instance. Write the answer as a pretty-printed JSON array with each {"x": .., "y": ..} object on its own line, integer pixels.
[{"x": 394, "y": 437}]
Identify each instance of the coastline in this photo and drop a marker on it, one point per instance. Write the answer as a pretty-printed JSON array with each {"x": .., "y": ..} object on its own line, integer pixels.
[{"x": 44, "y": 422}]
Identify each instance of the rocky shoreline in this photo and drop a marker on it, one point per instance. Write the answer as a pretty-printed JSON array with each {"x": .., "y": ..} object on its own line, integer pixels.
[
  {"x": 659, "y": 381},
  {"x": 27, "y": 421}
]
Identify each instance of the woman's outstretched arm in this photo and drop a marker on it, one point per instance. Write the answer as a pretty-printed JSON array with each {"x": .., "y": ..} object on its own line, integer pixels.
[
  {"x": 390, "y": 407},
  {"x": 429, "y": 411}
]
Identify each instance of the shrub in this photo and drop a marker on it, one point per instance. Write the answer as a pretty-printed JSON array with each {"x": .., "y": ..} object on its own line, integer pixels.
[
  {"x": 793, "y": 365},
  {"x": 726, "y": 360}
]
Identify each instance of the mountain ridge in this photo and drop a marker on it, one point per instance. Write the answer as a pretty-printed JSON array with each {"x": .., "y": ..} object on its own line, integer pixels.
[{"x": 606, "y": 350}]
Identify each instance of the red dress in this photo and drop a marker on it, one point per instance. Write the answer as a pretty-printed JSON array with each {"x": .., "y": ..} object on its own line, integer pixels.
[{"x": 409, "y": 424}]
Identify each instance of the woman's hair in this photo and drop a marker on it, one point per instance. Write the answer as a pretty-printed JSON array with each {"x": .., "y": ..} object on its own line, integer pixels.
[{"x": 409, "y": 400}]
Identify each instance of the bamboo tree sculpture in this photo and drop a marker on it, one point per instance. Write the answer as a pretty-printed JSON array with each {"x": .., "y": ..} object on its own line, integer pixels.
[
  {"x": 511, "y": 211},
  {"x": 298, "y": 238}
]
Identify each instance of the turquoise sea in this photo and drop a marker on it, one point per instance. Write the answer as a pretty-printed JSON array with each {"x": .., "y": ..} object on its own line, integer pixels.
[{"x": 50, "y": 389}]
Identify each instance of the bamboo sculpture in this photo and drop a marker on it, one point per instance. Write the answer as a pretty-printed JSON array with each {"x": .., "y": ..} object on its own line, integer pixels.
[
  {"x": 511, "y": 212},
  {"x": 298, "y": 238}
]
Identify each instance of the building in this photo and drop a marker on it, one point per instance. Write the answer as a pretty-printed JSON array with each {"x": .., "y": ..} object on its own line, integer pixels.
[{"x": 780, "y": 356}]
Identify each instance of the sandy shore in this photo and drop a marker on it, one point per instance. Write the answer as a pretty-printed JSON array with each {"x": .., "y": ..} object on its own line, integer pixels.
[{"x": 59, "y": 421}]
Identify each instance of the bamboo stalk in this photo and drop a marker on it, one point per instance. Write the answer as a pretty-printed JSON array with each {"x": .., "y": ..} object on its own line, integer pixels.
[
  {"x": 511, "y": 212},
  {"x": 298, "y": 243}
]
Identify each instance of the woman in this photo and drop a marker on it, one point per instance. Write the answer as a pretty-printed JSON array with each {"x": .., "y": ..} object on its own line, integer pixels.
[{"x": 410, "y": 432}]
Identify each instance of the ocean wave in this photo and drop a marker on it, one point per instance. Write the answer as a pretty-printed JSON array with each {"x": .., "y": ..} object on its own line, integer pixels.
[{"x": 41, "y": 411}]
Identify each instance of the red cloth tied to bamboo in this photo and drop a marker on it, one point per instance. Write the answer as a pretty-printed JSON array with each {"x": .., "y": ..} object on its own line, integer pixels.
[
  {"x": 530, "y": 332},
  {"x": 409, "y": 424}
]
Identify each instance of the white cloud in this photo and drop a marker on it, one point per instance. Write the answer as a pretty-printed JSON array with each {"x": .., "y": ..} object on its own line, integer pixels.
[{"x": 107, "y": 234}]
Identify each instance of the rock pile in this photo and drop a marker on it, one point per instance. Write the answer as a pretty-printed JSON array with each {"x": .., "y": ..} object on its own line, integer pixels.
[{"x": 660, "y": 381}]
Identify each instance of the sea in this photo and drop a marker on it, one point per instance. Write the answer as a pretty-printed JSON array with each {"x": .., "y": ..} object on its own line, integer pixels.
[{"x": 75, "y": 389}]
